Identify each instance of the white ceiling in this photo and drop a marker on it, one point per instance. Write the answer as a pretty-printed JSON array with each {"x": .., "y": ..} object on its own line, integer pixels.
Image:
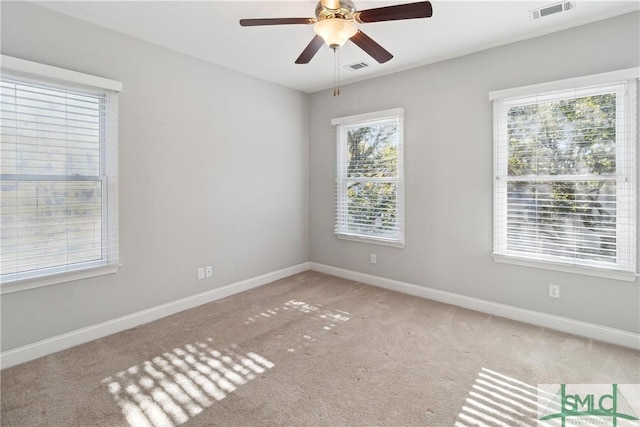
[{"x": 209, "y": 30}]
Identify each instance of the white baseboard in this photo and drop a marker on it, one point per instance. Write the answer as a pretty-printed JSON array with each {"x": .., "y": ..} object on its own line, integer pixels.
[
  {"x": 576, "y": 327},
  {"x": 61, "y": 342},
  {"x": 80, "y": 336}
]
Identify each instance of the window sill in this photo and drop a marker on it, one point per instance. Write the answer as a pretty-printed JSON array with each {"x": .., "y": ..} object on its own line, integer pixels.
[
  {"x": 38, "y": 282},
  {"x": 567, "y": 268},
  {"x": 371, "y": 240}
]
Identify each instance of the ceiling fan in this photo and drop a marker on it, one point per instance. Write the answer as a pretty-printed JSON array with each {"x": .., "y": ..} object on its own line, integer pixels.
[{"x": 335, "y": 23}]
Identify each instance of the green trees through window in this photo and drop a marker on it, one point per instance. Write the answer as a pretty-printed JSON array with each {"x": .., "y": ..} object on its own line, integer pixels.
[
  {"x": 372, "y": 160},
  {"x": 566, "y": 152}
]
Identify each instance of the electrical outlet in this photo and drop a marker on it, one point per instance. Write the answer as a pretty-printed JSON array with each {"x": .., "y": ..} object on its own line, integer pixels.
[
  {"x": 554, "y": 291},
  {"x": 372, "y": 258},
  {"x": 200, "y": 273},
  {"x": 209, "y": 271}
]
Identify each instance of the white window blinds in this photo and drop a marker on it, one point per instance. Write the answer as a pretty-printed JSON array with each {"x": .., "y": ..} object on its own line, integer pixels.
[
  {"x": 369, "y": 179},
  {"x": 565, "y": 175},
  {"x": 58, "y": 174}
]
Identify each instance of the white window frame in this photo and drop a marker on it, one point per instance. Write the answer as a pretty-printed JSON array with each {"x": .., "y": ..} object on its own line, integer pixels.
[
  {"x": 626, "y": 170},
  {"x": 46, "y": 74},
  {"x": 342, "y": 231}
]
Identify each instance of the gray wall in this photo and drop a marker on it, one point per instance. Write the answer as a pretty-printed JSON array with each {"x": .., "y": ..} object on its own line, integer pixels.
[
  {"x": 213, "y": 171},
  {"x": 448, "y": 161}
]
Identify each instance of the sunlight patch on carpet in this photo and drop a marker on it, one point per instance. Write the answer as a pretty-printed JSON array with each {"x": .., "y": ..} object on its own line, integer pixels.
[
  {"x": 499, "y": 400},
  {"x": 328, "y": 319},
  {"x": 302, "y": 307},
  {"x": 174, "y": 387}
]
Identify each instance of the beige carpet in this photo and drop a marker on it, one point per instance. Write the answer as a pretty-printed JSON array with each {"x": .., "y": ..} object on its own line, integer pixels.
[{"x": 310, "y": 350}]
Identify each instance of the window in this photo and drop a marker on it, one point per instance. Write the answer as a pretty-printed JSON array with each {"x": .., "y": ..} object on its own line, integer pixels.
[
  {"x": 58, "y": 147},
  {"x": 369, "y": 181},
  {"x": 565, "y": 175}
]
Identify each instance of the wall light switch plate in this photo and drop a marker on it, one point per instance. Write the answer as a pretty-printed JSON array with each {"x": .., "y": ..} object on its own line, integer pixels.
[{"x": 201, "y": 273}]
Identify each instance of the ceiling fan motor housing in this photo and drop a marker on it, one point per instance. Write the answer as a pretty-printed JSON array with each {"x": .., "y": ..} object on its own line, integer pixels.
[{"x": 335, "y": 26}]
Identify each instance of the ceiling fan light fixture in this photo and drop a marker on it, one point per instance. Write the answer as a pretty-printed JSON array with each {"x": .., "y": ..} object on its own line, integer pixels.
[{"x": 335, "y": 31}]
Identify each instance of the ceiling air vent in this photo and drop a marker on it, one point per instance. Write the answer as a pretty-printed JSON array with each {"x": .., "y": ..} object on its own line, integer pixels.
[
  {"x": 357, "y": 66},
  {"x": 552, "y": 9}
]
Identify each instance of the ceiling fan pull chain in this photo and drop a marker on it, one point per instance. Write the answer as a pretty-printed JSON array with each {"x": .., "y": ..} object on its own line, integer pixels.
[{"x": 336, "y": 72}]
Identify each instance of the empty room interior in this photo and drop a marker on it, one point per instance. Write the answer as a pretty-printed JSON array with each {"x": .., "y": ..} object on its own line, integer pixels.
[{"x": 351, "y": 213}]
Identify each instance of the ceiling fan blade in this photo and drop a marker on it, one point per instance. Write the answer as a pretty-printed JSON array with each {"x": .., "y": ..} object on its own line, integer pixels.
[
  {"x": 276, "y": 21},
  {"x": 421, "y": 9},
  {"x": 309, "y": 51},
  {"x": 331, "y": 4},
  {"x": 374, "y": 50}
]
